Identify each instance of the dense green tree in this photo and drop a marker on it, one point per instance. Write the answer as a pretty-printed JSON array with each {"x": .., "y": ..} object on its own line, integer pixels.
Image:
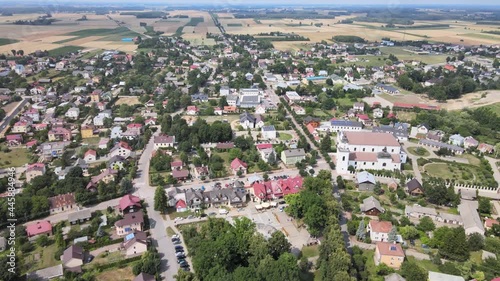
[
  {"x": 455, "y": 247},
  {"x": 475, "y": 241},
  {"x": 278, "y": 244},
  {"x": 160, "y": 200},
  {"x": 484, "y": 206},
  {"x": 413, "y": 272},
  {"x": 426, "y": 224}
]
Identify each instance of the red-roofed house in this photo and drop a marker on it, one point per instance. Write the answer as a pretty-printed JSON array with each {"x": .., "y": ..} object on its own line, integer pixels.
[
  {"x": 238, "y": 165},
  {"x": 263, "y": 190},
  {"x": 39, "y": 228},
  {"x": 181, "y": 206},
  {"x": 485, "y": 148},
  {"x": 389, "y": 253},
  {"x": 90, "y": 155},
  {"x": 129, "y": 203},
  {"x": 192, "y": 110},
  {"x": 450, "y": 67},
  {"x": 31, "y": 144},
  {"x": 379, "y": 230},
  {"x": 14, "y": 140},
  {"x": 176, "y": 165},
  {"x": 488, "y": 223}
]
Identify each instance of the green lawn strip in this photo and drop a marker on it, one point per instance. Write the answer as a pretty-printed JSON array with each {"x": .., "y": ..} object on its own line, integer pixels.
[
  {"x": 14, "y": 158},
  {"x": 7, "y": 41}
]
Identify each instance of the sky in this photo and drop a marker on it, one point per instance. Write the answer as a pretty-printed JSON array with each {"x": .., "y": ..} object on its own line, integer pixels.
[{"x": 275, "y": 2}]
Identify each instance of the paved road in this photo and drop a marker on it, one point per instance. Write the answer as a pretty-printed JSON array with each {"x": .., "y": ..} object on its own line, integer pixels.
[
  {"x": 416, "y": 171},
  {"x": 6, "y": 121}
]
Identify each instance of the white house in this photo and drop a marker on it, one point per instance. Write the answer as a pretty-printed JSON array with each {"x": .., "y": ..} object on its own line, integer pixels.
[
  {"x": 260, "y": 109},
  {"x": 378, "y": 113},
  {"x": 368, "y": 151},
  {"x": 379, "y": 230},
  {"x": 299, "y": 110},
  {"x": 72, "y": 113},
  {"x": 163, "y": 141},
  {"x": 457, "y": 140},
  {"x": 345, "y": 126},
  {"x": 99, "y": 119},
  {"x": 268, "y": 132}
]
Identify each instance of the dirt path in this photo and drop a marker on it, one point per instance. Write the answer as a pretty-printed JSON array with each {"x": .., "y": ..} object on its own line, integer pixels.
[{"x": 473, "y": 100}]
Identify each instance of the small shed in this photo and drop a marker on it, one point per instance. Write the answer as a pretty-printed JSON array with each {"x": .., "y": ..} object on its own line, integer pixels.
[{"x": 366, "y": 181}]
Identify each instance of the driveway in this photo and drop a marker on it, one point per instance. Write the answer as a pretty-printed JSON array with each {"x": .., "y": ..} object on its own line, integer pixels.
[{"x": 109, "y": 248}]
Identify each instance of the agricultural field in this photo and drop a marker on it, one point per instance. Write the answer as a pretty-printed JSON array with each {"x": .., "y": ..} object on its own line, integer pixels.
[
  {"x": 402, "y": 54},
  {"x": 132, "y": 100}
]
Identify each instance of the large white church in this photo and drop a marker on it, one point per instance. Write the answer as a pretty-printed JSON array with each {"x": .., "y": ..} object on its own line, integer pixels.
[{"x": 368, "y": 151}]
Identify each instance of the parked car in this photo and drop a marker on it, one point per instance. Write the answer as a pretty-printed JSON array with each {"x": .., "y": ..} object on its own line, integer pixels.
[
  {"x": 179, "y": 247},
  {"x": 181, "y": 261},
  {"x": 177, "y": 242},
  {"x": 179, "y": 251},
  {"x": 212, "y": 213},
  {"x": 175, "y": 239},
  {"x": 185, "y": 265},
  {"x": 180, "y": 254}
]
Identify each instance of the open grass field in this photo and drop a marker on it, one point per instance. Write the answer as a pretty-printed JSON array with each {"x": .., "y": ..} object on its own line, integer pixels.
[
  {"x": 456, "y": 171},
  {"x": 116, "y": 274},
  {"x": 16, "y": 157},
  {"x": 7, "y": 41},
  {"x": 46, "y": 258},
  {"x": 402, "y": 54},
  {"x": 284, "y": 136},
  {"x": 310, "y": 251}
]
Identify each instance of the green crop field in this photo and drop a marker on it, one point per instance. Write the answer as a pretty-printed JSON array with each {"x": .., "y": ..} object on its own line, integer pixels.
[
  {"x": 64, "y": 50},
  {"x": 112, "y": 34},
  {"x": 401, "y": 54},
  {"x": 7, "y": 41},
  {"x": 234, "y": 24},
  {"x": 194, "y": 21}
]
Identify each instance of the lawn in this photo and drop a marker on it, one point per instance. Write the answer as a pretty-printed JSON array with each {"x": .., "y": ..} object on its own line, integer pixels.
[
  {"x": 462, "y": 172},
  {"x": 7, "y": 41},
  {"x": 401, "y": 54},
  {"x": 320, "y": 113},
  {"x": 15, "y": 158},
  {"x": 64, "y": 50},
  {"x": 344, "y": 102},
  {"x": 310, "y": 251},
  {"x": 476, "y": 257},
  {"x": 419, "y": 151},
  {"x": 116, "y": 274},
  {"x": 105, "y": 258},
  {"x": 284, "y": 136},
  {"x": 173, "y": 214},
  {"x": 46, "y": 258},
  {"x": 426, "y": 264},
  {"x": 473, "y": 160},
  {"x": 234, "y": 24},
  {"x": 170, "y": 231},
  {"x": 406, "y": 115},
  {"x": 229, "y": 118},
  {"x": 495, "y": 107},
  {"x": 370, "y": 262},
  {"x": 91, "y": 141}
]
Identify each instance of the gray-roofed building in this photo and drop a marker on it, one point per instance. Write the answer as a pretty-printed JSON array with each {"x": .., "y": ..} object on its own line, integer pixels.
[
  {"x": 418, "y": 212},
  {"x": 345, "y": 125},
  {"x": 438, "y": 145},
  {"x": 365, "y": 181},
  {"x": 292, "y": 156},
  {"x": 437, "y": 276},
  {"x": 450, "y": 218},
  {"x": 232, "y": 100},
  {"x": 72, "y": 258},
  {"x": 394, "y": 277},
  {"x": 387, "y": 89},
  {"x": 47, "y": 273},
  {"x": 398, "y": 132},
  {"x": 249, "y": 121},
  {"x": 371, "y": 207},
  {"x": 194, "y": 198},
  {"x": 199, "y": 98},
  {"x": 80, "y": 216},
  {"x": 268, "y": 132},
  {"x": 249, "y": 101},
  {"x": 470, "y": 217}
]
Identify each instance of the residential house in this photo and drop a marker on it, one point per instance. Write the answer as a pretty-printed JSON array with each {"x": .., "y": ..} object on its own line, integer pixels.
[
  {"x": 192, "y": 110},
  {"x": 268, "y": 132},
  {"x": 38, "y": 228},
  {"x": 399, "y": 130},
  {"x": 34, "y": 170},
  {"x": 438, "y": 145},
  {"x": 59, "y": 134},
  {"x": 116, "y": 132},
  {"x": 470, "y": 142},
  {"x": 163, "y": 141},
  {"x": 387, "y": 89},
  {"x": 130, "y": 223},
  {"x": 230, "y": 109},
  {"x": 292, "y": 156},
  {"x": 434, "y": 135},
  {"x": 199, "y": 98},
  {"x": 135, "y": 244},
  {"x": 101, "y": 116},
  {"x": 249, "y": 101},
  {"x": 391, "y": 254},
  {"x": 116, "y": 162},
  {"x": 486, "y": 148},
  {"x": 266, "y": 150},
  {"x": 414, "y": 187},
  {"x": 14, "y": 140},
  {"x": 488, "y": 223},
  {"x": 80, "y": 216},
  {"x": 21, "y": 127},
  {"x": 260, "y": 109},
  {"x": 129, "y": 203},
  {"x": 201, "y": 172},
  {"x": 122, "y": 149},
  {"x": 72, "y": 258},
  {"x": 379, "y": 230},
  {"x": 72, "y": 113},
  {"x": 299, "y": 110},
  {"x": 33, "y": 114},
  {"x": 106, "y": 176},
  {"x": 248, "y": 121},
  {"x": 134, "y": 130},
  {"x": 371, "y": 207},
  {"x": 365, "y": 181},
  {"x": 457, "y": 140},
  {"x": 218, "y": 111},
  {"x": 62, "y": 203},
  {"x": 232, "y": 100},
  {"x": 238, "y": 166},
  {"x": 180, "y": 175},
  {"x": 90, "y": 155},
  {"x": 378, "y": 113},
  {"x": 359, "y": 106},
  {"x": 87, "y": 131}
]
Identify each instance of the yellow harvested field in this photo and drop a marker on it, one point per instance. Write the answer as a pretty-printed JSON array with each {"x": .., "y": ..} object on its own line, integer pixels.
[
  {"x": 128, "y": 100},
  {"x": 290, "y": 45},
  {"x": 473, "y": 100},
  {"x": 28, "y": 47},
  {"x": 52, "y": 39},
  {"x": 128, "y": 47},
  {"x": 225, "y": 15},
  {"x": 83, "y": 41}
]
